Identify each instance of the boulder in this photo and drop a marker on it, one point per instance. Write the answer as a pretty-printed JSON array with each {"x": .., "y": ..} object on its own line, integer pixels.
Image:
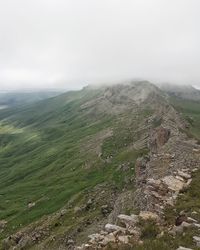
[
  {"x": 108, "y": 239},
  {"x": 110, "y": 228},
  {"x": 173, "y": 183},
  {"x": 124, "y": 239},
  {"x": 128, "y": 220},
  {"x": 197, "y": 240},
  {"x": 179, "y": 229}
]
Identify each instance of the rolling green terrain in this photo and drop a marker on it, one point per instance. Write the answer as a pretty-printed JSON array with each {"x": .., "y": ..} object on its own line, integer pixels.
[{"x": 48, "y": 153}]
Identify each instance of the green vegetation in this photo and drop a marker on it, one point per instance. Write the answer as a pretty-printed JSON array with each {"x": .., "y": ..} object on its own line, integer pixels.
[{"x": 43, "y": 157}]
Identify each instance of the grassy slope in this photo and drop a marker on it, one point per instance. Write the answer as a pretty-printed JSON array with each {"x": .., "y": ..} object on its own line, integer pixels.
[{"x": 41, "y": 156}]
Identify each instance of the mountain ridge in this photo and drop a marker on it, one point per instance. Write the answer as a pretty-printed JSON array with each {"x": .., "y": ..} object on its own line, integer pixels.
[{"x": 68, "y": 150}]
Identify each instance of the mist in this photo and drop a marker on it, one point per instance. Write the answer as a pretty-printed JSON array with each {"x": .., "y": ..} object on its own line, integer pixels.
[{"x": 72, "y": 43}]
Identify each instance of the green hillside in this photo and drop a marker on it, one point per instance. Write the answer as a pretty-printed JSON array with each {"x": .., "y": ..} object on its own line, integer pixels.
[{"x": 49, "y": 152}]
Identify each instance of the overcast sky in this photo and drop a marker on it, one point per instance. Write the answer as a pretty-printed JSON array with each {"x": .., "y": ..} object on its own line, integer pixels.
[{"x": 70, "y": 43}]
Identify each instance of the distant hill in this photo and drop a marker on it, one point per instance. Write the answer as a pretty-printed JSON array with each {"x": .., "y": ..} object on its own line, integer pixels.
[
  {"x": 14, "y": 98},
  {"x": 181, "y": 91}
]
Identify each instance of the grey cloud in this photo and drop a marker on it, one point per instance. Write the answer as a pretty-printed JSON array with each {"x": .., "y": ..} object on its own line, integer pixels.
[{"x": 69, "y": 43}]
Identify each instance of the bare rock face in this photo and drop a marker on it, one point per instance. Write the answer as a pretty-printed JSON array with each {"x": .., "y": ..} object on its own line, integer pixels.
[
  {"x": 173, "y": 183},
  {"x": 140, "y": 168},
  {"x": 112, "y": 228},
  {"x": 158, "y": 138},
  {"x": 128, "y": 220},
  {"x": 197, "y": 240}
]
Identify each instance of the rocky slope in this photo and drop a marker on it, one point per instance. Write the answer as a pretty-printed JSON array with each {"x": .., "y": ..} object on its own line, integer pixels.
[
  {"x": 147, "y": 162},
  {"x": 161, "y": 176}
]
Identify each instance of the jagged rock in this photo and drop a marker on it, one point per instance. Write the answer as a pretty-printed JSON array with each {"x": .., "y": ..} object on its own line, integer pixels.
[
  {"x": 188, "y": 183},
  {"x": 190, "y": 219},
  {"x": 124, "y": 239},
  {"x": 179, "y": 178},
  {"x": 107, "y": 239},
  {"x": 102, "y": 232},
  {"x": 172, "y": 183},
  {"x": 94, "y": 238},
  {"x": 156, "y": 195},
  {"x": 105, "y": 210},
  {"x": 154, "y": 183},
  {"x": 114, "y": 228},
  {"x": 158, "y": 138},
  {"x": 24, "y": 242},
  {"x": 140, "y": 168},
  {"x": 197, "y": 240},
  {"x": 147, "y": 215},
  {"x": 128, "y": 220},
  {"x": 184, "y": 175}
]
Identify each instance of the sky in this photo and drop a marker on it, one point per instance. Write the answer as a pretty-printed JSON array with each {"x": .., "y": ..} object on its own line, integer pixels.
[{"x": 72, "y": 43}]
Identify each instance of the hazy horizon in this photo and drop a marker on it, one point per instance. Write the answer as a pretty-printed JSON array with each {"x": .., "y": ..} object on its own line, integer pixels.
[{"x": 68, "y": 44}]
